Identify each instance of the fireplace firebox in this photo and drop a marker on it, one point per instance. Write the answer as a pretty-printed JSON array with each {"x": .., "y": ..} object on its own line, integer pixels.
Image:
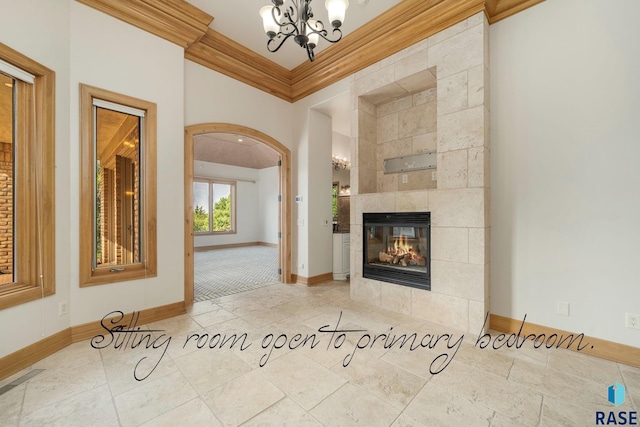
[{"x": 397, "y": 248}]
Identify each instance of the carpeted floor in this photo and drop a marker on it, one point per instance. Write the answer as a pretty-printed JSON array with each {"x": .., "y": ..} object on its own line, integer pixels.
[{"x": 222, "y": 272}]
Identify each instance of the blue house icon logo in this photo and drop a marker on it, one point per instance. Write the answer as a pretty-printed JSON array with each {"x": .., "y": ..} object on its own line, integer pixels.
[{"x": 616, "y": 394}]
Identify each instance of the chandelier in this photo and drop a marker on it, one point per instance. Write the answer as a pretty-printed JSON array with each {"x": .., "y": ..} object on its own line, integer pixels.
[
  {"x": 339, "y": 163},
  {"x": 281, "y": 22}
]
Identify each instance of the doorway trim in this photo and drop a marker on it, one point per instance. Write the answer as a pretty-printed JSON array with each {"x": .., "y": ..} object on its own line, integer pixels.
[{"x": 284, "y": 214}]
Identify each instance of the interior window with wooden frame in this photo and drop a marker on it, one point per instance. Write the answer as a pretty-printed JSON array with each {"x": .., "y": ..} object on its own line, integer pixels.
[
  {"x": 214, "y": 209},
  {"x": 117, "y": 187},
  {"x": 27, "y": 179}
]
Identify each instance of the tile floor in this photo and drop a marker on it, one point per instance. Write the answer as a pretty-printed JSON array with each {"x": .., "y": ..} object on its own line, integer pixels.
[{"x": 383, "y": 384}]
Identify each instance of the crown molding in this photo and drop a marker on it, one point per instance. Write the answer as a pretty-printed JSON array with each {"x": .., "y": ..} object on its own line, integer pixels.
[
  {"x": 405, "y": 24},
  {"x": 174, "y": 20},
  {"x": 387, "y": 34},
  {"x": 497, "y": 10},
  {"x": 232, "y": 59}
]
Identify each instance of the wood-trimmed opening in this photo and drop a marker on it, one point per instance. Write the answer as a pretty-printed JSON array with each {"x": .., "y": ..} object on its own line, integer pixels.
[
  {"x": 35, "y": 183},
  {"x": 284, "y": 250},
  {"x": 147, "y": 266}
]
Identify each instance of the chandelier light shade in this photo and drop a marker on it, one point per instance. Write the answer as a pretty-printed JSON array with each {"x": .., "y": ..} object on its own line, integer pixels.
[{"x": 295, "y": 20}]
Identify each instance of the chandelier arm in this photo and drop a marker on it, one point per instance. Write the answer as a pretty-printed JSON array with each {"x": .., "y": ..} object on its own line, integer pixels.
[
  {"x": 272, "y": 41},
  {"x": 324, "y": 34},
  {"x": 288, "y": 13}
]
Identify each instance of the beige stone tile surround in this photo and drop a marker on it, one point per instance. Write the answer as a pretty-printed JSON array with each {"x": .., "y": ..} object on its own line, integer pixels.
[{"x": 432, "y": 96}]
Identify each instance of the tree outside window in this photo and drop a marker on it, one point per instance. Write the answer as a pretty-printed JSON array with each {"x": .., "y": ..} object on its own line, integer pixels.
[{"x": 213, "y": 206}]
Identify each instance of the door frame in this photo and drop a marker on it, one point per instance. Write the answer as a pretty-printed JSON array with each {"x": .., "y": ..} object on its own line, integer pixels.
[{"x": 284, "y": 215}]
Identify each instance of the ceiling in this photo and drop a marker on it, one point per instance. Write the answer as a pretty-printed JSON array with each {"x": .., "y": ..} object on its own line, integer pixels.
[
  {"x": 234, "y": 150},
  {"x": 239, "y": 20}
]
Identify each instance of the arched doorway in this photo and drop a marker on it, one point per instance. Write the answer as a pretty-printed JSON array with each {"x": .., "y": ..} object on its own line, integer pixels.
[{"x": 284, "y": 246}]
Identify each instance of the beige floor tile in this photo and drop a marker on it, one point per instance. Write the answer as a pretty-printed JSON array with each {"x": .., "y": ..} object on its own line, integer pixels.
[
  {"x": 320, "y": 353},
  {"x": 560, "y": 413},
  {"x": 234, "y": 326},
  {"x": 116, "y": 346},
  {"x": 193, "y": 413},
  {"x": 207, "y": 369},
  {"x": 242, "y": 398},
  {"x": 154, "y": 398},
  {"x": 354, "y": 406},
  {"x": 202, "y": 307},
  {"x": 40, "y": 394},
  {"x": 500, "y": 420},
  {"x": 89, "y": 373},
  {"x": 631, "y": 378},
  {"x": 303, "y": 380},
  {"x": 421, "y": 360},
  {"x": 185, "y": 343},
  {"x": 523, "y": 350},
  {"x": 435, "y": 406},
  {"x": 213, "y": 317},
  {"x": 261, "y": 352},
  {"x": 262, "y": 317},
  {"x": 406, "y": 421},
  {"x": 285, "y": 413},
  {"x": 301, "y": 309},
  {"x": 384, "y": 380},
  {"x": 73, "y": 355},
  {"x": 572, "y": 362},
  {"x": 412, "y": 361},
  {"x": 121, "y": 370},
  {"x": 332, "y": 318},
  {"x": 93, "y": 407},
  {"x": 492, "y": 391},
  {"x": 11, "y": 405},
  {"x": 177, "y": 327},
  {"x": 489, "y": 360},
  {"x": 558, "y": 384}
]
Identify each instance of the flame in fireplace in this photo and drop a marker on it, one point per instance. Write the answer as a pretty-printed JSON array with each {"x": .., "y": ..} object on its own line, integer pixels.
[
  {"x": 401, "y": 246},
  {"x": 402, "y": 253}
]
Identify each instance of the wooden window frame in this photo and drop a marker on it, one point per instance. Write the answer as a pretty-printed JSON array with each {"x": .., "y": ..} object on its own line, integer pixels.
[
  {"x": 234, "y": 190},
  {"x": 90, "y": 275},
  {"x": 34, "y": 192}
]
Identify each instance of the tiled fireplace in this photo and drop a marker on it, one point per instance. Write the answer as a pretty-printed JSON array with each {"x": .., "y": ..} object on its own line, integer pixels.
[{"x": 430, "y": 97}]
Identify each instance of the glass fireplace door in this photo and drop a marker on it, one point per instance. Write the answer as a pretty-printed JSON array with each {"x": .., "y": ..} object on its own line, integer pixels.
[{"x": 397, "y": 248}]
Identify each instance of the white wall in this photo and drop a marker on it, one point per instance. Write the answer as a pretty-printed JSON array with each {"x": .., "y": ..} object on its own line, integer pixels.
[
  {"x": 27, "y": 323},
  {"x": 268, "y": 186},
  {"x": 313, "y": 138},
  {"x": 247, "y": 203},
  {"x": 565, "y": 101},
  {"x": 320, "y": 224},
  {"x": 113, "y": 55},
  {"x": 211, "y": 97},
  {"x": 340, "y": 146}
]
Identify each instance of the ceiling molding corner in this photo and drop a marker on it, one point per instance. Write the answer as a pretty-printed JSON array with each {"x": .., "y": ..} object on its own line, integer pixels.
[
  {"x": 232, "y": 59},
  {"x": 497, "y": 10},
  {"x": 174, "y": 20}
]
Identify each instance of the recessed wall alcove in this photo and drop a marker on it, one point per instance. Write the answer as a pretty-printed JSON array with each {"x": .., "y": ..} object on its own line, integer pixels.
[{"x": 430, "y": 97}]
